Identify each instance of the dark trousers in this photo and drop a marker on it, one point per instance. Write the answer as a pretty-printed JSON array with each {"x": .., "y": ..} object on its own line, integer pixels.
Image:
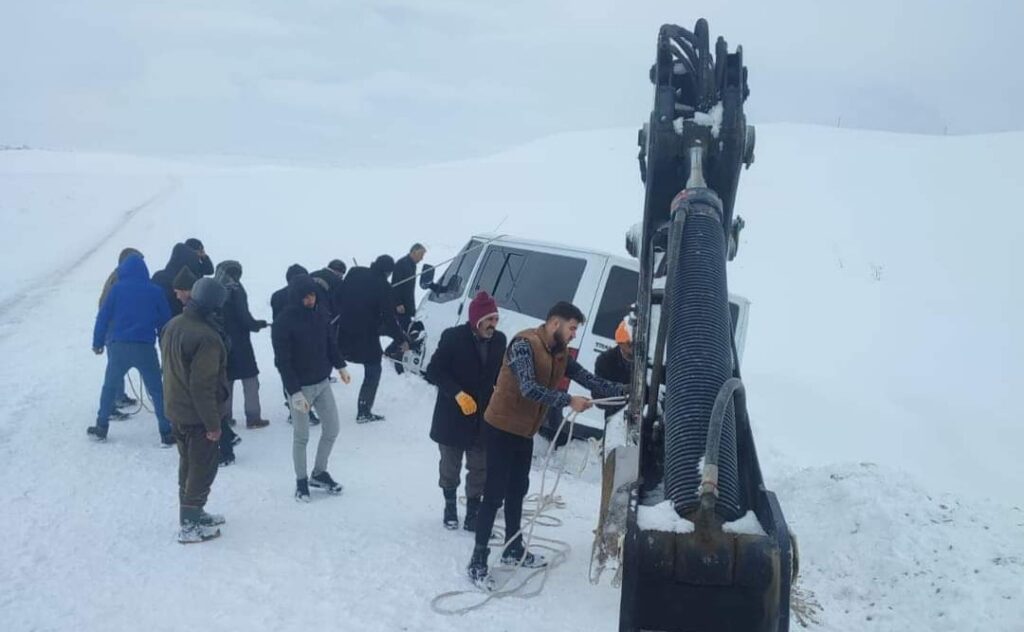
[
  {"x": 508, "y": 479},
  {"x": 368, "y": 391},
  {"x": 121, "y": 357},
  {"x": 450, "y": 467},
  {"x": 197, "y": 465}
]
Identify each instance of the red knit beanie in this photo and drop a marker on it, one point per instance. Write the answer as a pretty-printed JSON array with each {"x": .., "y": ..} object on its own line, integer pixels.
[{"x": 482, "y": 306}]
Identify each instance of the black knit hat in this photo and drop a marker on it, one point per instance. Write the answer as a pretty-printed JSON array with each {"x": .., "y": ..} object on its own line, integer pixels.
[
  {"x": 194, "y": 244},
  {"x": 338, "y": 266},
  {"x": 184, "y": 280},
  {"x": 293, "y": 271}
]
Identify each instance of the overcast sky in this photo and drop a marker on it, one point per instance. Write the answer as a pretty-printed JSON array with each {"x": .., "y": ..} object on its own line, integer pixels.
[{"x": 400, "y": 81}]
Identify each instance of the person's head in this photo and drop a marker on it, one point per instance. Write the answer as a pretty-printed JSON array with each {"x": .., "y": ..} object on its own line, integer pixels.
[
  {"x": 196, "y": 246},
  {"x": 417, "y": 252},
  {"x": 230, "y": 269},
  {"x": 624, "y": 339},
  {"x": 483, "y": 315},
  {"x": 183, "y": 283},
  {"x": 302, "y": 290},
  {"x": 128, "y": 252},
  {"x": 133, "y": 268},
  {"x": 338, "y": 267},
  {"x": 208, "y": 295},
  {"x": 293, "y": 271},
  {"x": 383, "y": 265},
  {"x": 563, "y": 320}
]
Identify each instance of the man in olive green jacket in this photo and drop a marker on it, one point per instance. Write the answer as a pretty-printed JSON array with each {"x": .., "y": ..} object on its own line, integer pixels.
[{"x": 195, "y": 389}]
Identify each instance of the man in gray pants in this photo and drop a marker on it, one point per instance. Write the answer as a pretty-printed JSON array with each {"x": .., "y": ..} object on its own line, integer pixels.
[{"x": 305, "y": 350}]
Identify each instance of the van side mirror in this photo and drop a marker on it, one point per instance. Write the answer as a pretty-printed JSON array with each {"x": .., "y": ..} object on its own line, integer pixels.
[{"x": 427, "y": 277}]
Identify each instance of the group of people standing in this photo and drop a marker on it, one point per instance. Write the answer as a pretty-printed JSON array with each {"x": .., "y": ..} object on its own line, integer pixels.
[
  {"x": 204, "y": 326},
  {"x": 493, "y": 393}
]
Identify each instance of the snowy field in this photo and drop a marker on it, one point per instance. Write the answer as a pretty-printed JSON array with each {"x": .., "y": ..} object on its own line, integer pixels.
[{"x": 883, "y": 361}]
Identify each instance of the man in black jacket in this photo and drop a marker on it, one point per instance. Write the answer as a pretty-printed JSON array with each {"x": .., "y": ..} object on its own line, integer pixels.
[
  {"x": 279, "y": 299},
  {"x": 304, "y": 352},
  {"x": 239, "y": 325},
  {"x": 367, "y": 311},
  {"x": 190, "y": 254},
  {"x": 464, "y": 368},
  {"x": 331, "y": 279},
  {"x": 616, "y": 364},
  {"x": 403, "y": 283}
]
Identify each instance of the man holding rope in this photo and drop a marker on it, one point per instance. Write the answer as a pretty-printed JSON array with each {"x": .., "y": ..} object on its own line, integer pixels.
[{"x": 536, "y": 361}]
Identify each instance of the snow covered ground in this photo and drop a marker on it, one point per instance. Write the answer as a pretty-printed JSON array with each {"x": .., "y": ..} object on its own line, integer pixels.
[{"x": 883, "y": 361}]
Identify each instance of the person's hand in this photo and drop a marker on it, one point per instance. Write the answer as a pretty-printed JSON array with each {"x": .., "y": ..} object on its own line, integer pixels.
[
  {"x": 97, "y": 350},
  {"x": 466, "y": 403},
  {"x": 405, "y": 347},
  {"x": 344, "y": 376},
  {"x": 299, "y": 403},
  {"x": 400, "y": 309},
  {"x": 213, "y": 436},
  {"x": 261, "y": 325},
  {"x": 580, "y": 404}
]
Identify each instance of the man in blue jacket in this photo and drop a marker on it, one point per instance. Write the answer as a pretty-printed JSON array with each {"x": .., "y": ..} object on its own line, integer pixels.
[{"x": 127, "y": 325}]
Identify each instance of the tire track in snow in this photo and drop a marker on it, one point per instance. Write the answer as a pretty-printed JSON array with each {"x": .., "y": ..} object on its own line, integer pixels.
[{"x": 12, "y": 304}]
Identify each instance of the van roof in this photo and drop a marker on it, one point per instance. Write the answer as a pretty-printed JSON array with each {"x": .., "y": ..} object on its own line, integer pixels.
[{"x": 625, "y": 262}]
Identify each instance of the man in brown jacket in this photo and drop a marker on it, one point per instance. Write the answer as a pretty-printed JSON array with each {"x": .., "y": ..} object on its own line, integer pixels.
[
  {"x": 195, "y": 389},
  {"x": 536, "y": 361}
]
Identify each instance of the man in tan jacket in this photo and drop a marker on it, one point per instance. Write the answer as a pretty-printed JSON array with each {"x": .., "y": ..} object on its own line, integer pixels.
[
  {"x": 536, "y": 361},
  {"x": 195, "y": 389}
]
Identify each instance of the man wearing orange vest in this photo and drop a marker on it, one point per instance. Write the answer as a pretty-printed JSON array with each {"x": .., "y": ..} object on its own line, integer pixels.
[{"x": 536, "y": 361}]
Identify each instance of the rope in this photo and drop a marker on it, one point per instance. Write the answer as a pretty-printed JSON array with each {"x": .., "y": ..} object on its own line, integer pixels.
[
  {"x": 140, "y": 395},
  {"x": 534, "y": 517}
]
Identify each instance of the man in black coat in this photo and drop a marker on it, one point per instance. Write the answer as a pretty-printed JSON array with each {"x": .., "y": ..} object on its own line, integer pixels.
[
  {"x": 464, "y": 368},
  {"x": 404, "y": 287},
  {"x": 239, "y": 324},
  {"x": 279, "y": 299},
  {"x": 305, "y": 352},
  {"x": 367, "y": 311},
  {"x": 332, "y": 277},
  {"x": 190, "y": 254}
]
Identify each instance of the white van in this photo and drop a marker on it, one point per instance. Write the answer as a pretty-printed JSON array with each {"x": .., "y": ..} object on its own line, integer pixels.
[{"x": 526, "y": 277}]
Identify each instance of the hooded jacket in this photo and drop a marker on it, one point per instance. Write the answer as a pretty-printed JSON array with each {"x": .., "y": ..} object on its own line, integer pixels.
[
  {"x": 135, "y": 309},
  {"x": 367, "y": 312},
  {"x": 181, "y": 256},
  {"x": 304, "y": 348},
  {"x": 279, "y": 299}
]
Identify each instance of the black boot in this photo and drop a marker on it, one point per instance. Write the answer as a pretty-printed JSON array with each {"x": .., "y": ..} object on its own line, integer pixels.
[
  {"x": 451, "y": 511},
  {"x": 477, "y": 569},
  {"x": 472, "y": 509},
  {"x": 192, "y": 528}
]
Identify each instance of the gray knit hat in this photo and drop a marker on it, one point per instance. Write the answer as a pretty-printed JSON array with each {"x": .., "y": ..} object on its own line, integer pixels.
[{"x": 208, "y": 294}]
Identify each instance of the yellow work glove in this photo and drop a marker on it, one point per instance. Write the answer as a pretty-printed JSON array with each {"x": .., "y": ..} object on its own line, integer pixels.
[{"x": 466, "y": 403}]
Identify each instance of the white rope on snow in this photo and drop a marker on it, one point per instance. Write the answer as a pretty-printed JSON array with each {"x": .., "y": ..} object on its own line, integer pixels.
[{"x": 535, "y": 517}]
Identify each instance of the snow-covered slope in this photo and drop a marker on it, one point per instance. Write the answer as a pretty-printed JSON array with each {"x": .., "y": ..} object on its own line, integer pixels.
[{"x": 882, "y": 364}]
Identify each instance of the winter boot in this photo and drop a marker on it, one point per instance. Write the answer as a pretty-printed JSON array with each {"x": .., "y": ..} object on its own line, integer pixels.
[
  {"x": 472, "y": 509},
  {"x": 477, "y": 569},
  {"x": 168, "y": 440},
  {"x": 210, "y": 520},
  {"x": 314, "y": 419},
  {"x": 451, "y": 511},
  {"x": 514, "y": 553},
  {"x": 125, "y": 402},
  {"x": 118, "y": 415},
  {"x": 302, "y": 490},
  {"x": 256, "y": 423},
  {"x": 226, "y": 459},
  {"x": 323, "y": 480},
  {"x": 192, "y": 530},
  {"x": 98, "y": 433}
]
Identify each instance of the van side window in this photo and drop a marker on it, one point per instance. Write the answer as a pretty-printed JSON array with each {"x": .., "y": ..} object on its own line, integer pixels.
[
  {"x": 461, "y": 267},
  {"x": 619, "y": 293},
  {"x": 529, "y": 282}
]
